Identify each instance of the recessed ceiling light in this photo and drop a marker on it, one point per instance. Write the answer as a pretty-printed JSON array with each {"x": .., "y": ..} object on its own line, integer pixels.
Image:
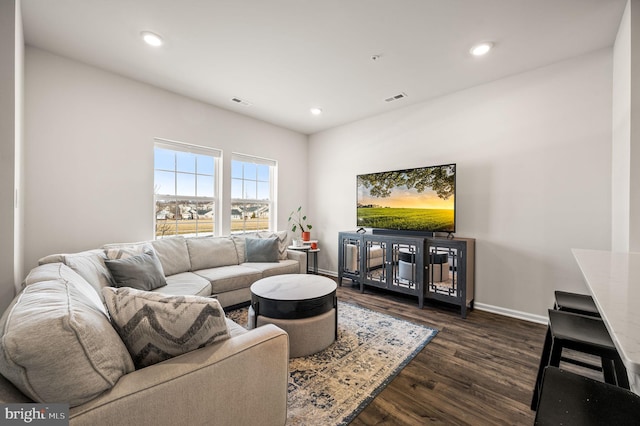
[
  {"x": 316, "y": 111},
  {"x": 481, "y": 49},
  {"x": 151, "y": 39}
]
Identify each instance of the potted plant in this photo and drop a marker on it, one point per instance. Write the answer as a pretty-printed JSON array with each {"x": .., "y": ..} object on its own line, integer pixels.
[{"x": 298, "y": 220}]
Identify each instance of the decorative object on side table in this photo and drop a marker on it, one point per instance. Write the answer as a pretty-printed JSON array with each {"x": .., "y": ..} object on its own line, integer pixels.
[
  {"x": 297, "y": 219},
  {"x": 311, "y": 249}
]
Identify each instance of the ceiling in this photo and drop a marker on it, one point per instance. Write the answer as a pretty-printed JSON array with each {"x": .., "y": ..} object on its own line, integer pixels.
[{"x": 286, "y": 56}]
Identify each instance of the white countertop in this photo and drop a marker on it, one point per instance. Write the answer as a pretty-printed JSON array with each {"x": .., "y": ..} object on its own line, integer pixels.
[{"x": 614, "y": 282}]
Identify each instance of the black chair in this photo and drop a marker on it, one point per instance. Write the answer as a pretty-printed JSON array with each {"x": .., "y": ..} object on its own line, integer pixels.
[
  {"x": 584, "y": 334},
  {"x": 576, "y": 303},
  {"x": 570, "y": 399}
]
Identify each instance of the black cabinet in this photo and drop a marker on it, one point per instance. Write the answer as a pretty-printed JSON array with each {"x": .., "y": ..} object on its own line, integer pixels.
[{"x": 428, "y": 268}]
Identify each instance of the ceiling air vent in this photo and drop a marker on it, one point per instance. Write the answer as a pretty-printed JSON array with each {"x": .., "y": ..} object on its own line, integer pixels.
[
  {"x": 241, "y": 102},
  {"x": 396, "y": 97}
]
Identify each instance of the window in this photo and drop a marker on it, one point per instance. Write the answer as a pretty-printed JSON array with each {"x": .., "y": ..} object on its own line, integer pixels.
[
  {"x": 184, "y": 189},
  {"x": 252, "y": 193}
]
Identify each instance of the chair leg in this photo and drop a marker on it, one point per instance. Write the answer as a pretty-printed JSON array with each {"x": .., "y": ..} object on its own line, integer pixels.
[
  {"x": 556, "y": 353},
  {"x": 544, "y": 361},
  {"x": 608, "y": 371},
  {"x": 621, "y": 373}
]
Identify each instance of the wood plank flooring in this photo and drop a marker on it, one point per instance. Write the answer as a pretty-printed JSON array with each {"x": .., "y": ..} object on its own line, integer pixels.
[{"x": 476, "y": 371}]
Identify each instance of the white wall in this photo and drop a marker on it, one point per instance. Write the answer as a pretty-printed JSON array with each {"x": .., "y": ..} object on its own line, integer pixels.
[
  {"x": 18, "y": 243},
  {"x": 11, "y": 62},
  {"x": 89, "y": 153},
  {"x": 533, "y": 179},
  {"x": 626, "y": 133},
  {"x": 634, "y": 178},
  {"x": 621, "y": 135}
]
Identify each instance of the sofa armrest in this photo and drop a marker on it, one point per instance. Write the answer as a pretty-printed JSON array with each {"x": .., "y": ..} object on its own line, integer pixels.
[
  {"x": 242, "y": 380},
  {"x": 301, "y": 257}
]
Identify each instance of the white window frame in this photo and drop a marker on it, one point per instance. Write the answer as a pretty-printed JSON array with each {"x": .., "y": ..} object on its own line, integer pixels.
[
  {"x": 198, "y": 150},
  {"x": 271, "y": 202}
]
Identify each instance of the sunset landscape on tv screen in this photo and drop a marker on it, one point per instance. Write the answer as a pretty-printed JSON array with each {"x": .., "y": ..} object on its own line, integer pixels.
[{"x": 419, "y": 199}]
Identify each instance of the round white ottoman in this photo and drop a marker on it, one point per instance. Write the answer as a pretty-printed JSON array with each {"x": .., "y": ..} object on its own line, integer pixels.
[{"x": 305, "y": 306}]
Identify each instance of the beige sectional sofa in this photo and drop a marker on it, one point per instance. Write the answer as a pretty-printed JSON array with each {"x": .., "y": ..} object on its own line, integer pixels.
[
  {"x": 58, "y": 344},
  {"x": 201, "y": 266}
]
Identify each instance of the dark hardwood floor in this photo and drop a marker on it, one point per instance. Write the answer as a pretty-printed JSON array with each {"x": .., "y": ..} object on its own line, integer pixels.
[{"x": 476, "y": 371}]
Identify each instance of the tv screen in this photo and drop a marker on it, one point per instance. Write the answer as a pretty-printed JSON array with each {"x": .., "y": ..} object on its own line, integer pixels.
[{"x": 419, "y": 199}]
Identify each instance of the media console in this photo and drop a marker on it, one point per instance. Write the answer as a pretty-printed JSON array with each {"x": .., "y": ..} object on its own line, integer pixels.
[{"x": 427, "y": 267}]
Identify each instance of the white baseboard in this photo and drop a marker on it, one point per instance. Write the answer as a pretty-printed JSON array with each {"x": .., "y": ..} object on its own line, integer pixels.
[
  {"x": 525, "y": 316},
  {"x": 511, "y": 313},
  {"x": 329, "y": 273}
]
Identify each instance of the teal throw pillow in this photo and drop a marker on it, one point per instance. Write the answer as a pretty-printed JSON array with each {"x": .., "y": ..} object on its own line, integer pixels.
[{"x": 261, "y": 250}]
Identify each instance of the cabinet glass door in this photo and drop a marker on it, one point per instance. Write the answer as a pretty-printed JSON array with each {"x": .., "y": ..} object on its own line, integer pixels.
[
  {"x": 375, "y": 262},
  {"x": 405, "y": 266},
  {"x": 351, "y": 254},
  {"x": 442, "y": 275}
]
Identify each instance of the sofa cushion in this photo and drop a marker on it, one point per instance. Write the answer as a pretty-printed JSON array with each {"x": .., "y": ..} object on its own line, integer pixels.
[
  {"x": 228, "y": 278},
  {"x": 88, "y": 264},
  {"x": 57, "y": 344},
  {"x": 281, "y": 267},
  {"x": 211, "y": 252},
  {"x": 142, "y": 271},
  {"x": 156, "y": 326},
  {"x": 186, "y": 283},
  {"x": 261, "y": 250},
  {"x": 173, "y": 255},
  {"x": 283, "y": 241}
]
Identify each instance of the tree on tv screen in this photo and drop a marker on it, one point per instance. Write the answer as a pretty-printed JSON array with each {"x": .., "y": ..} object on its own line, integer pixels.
[{"x": 440, "y": 179}]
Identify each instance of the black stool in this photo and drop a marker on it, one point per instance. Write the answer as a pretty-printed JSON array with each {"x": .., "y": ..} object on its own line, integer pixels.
[
  {"x": 584, "y": 334},
  {"x": 570, "y": 399},
  {"x": 576, "y": 303}
]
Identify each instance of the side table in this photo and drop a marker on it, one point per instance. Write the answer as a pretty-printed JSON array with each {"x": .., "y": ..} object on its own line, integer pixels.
[{"x": 310, "y": 252}]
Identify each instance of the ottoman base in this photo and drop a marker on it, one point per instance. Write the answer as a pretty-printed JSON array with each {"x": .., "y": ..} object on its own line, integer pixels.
[{"x": 306, "y": 335}]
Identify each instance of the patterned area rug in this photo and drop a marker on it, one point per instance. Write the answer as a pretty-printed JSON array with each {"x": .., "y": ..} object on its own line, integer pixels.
[{"x": 333, "y": 386}]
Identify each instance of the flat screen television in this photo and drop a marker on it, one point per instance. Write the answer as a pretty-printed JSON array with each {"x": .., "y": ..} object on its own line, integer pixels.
[{"x": 418, "y": 200}]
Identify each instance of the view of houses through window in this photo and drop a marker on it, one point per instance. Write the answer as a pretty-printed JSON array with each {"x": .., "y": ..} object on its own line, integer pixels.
[
  {"x": 252, "y": 188},
  {"x": 184, "y": 189}
]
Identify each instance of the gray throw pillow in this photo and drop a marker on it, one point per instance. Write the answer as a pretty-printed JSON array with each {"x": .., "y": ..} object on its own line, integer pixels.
[
  {"x": 283, "y": 241},
  {"x": 142, "y": 271},
  {"x": 261, "y": 250},
  {"x": 155, "y": 327}
]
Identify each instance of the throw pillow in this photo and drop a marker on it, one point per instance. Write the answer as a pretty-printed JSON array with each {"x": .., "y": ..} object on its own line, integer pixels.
[
  {"x": 122, "y": 251},
  {"x": 89, "y": 264},
  {"x": 283, "y": 241},
  {"x": 238, "y": 241},
  {"x": 142, "y": 271},
  {"x": 155, "y": 327},
  {"x": 261, "y": 250}
]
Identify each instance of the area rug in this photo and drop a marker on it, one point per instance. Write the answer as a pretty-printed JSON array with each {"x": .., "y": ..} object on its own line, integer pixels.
[{"x": 333, "y": 386}]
